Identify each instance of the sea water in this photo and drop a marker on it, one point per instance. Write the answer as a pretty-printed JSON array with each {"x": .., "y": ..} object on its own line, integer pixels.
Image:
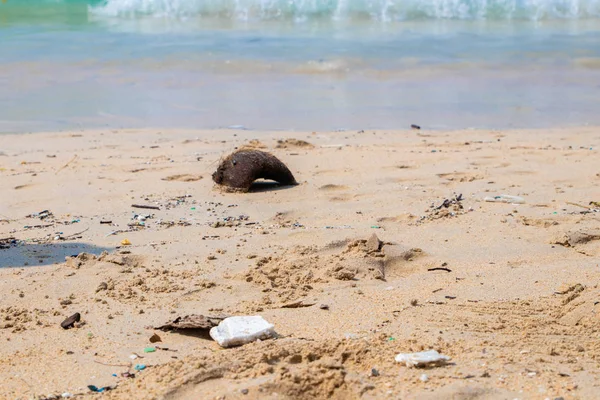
[{"x": 298, "y": 64}]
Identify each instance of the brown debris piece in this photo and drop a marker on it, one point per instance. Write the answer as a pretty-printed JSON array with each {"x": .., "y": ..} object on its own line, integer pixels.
[
  {"x": 193, "y": 321},
  {"x": 241, "y": 168},
  {"x": 70, "y": 322},
  {"x": 155, "y": 338}
]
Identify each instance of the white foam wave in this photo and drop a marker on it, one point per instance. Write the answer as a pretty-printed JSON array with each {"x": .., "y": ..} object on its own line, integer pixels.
[{"x": 378, "y": 10}]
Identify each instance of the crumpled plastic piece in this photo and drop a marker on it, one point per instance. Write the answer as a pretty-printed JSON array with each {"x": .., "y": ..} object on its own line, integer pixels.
[
  {"x": 430, "y": 358},
  {"x": 237, "y": 331}
]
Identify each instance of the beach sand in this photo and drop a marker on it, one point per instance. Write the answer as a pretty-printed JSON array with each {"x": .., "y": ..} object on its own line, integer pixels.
[{"x": 516, "y": 308}]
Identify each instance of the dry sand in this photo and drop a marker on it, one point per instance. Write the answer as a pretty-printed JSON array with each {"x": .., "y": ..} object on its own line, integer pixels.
[{"x": 517, "y": 309}]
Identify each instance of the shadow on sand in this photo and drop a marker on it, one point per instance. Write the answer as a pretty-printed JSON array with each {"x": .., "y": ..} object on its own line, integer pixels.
[
  {"x": 30, "y": 255},
  {"x": 267, "y": 186}
]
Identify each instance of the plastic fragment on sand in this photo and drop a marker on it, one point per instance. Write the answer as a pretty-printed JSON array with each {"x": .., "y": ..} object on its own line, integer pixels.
[
  {"x": 236, "y": 331},
  {"x": 149, "y": 349},
  {"x": 505, "y": 198},
  {"x": 100, "y": 390},
  {"x": 139, "y": 367},
  {"x": 125, "y": 242},
  {"x": 422, "y": 359}
]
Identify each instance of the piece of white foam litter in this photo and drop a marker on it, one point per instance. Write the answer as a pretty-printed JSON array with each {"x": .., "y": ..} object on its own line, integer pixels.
[
  {"x": 423, "y": 359},
  {"x": 236, "y": 331}
]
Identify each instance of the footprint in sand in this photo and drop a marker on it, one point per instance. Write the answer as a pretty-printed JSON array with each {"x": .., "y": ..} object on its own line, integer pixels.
[
  {"x": 294, "y": 144},
  {"x": 460, "y": 177},
  {"x": 183, "y": 178}
]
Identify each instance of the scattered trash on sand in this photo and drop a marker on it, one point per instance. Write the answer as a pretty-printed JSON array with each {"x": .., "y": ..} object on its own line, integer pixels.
[
  {"x": 505, "y": 198},
  {"x": 6, "y": 243},
  {"x": 430, "y": 358},
  {"x": 241, "y": 168},
  {"x": 70, "y": 322},
  {"x": 100, "y": 390},
  {"x": 451, "y": 207},
  {"x": 125, "y": 242},
  {"x": 237, "y": 331},
  {"x": 193, "y": 321},
  {"x": 41, "y": 215}
]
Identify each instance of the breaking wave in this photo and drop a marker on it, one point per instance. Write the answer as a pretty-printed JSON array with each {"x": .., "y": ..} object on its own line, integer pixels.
[{"x": 341, "y": 10}]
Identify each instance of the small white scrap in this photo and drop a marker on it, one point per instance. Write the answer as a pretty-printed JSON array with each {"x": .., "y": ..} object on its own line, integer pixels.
[
  {"x": 236, "y": 331},
  {"x": 424, "y": 378},
  {"x": 505, "y": 198},
  {"x": 422, "y": 359}
]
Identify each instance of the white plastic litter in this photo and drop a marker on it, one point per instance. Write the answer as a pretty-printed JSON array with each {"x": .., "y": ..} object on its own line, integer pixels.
[
  {"x": 505, "y": 198},
  {"x": 236, "y": 331},
  {"x": 422, "y": 359}
]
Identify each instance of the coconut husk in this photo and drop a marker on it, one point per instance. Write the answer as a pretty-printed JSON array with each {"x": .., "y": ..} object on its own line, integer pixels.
[{"x": 241, "y": 168}]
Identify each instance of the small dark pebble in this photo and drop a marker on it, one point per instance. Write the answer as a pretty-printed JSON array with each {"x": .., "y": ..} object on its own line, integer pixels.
[
  {"x": 324, "y": 307},
  {"x": 374, "y": 372},
  {"x": 69, "y": 322},
  {"x": 413, "y": 126},
  {"x": 244, "y": 391}
]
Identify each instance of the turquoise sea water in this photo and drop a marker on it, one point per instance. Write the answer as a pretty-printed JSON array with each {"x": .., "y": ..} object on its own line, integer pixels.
[{"x": 298, "y": 64}]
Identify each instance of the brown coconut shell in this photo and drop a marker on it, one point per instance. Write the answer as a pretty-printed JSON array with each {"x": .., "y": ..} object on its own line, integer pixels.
[{"x": 241, "y": 168}]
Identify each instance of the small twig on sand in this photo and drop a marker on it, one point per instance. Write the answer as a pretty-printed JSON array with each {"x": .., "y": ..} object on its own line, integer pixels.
[
  {"x": 578, "y": 205},
  {"x": 439, "y": 269},
  {"x": 66, "y": 165},
  {"x": 113, "y": 365},
  {"x": 78, "y": 233},
  {"x": 145, "y": 206}
]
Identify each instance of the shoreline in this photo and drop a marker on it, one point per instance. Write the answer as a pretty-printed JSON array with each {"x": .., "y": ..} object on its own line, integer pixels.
[{"x": 509, "y": 312}]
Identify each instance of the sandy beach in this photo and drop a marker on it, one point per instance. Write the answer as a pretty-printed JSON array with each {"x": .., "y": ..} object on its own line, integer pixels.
[{"x": 508, "y": 291}]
